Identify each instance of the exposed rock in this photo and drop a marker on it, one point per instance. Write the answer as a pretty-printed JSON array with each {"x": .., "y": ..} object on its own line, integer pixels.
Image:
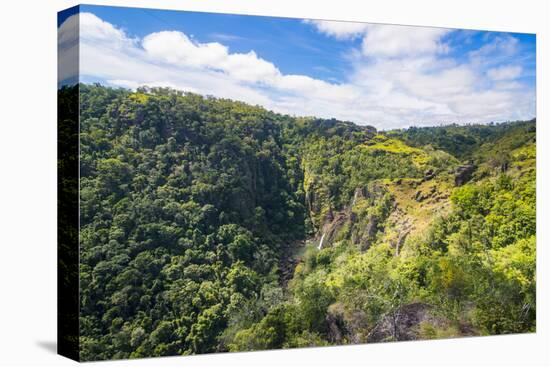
[
  {"x": 429, "y": 174},
  {"x": 365, "y": 240},
  {"x": 401, "y": 324},
  {"x": 331, "y": 227},
  {"x": 335, "y": 322},
  {"x": 288, "y": 260},
  {"x": 372, "y": 227},
  {"x": 463, "y": 173},
  {"x": 377, "y": 191},
  {"x": 405, "y": 323},
  {"x": 419, "y": 196},
  {"x": 361, "y": 229},
  {"x": 359, "y": 194},
  {"x": 345, "y": 326},
  {"x": 404, "y": 232}
]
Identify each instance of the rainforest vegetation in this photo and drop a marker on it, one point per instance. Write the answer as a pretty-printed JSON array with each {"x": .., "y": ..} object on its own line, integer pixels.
[{"x": 209, "y": 225}]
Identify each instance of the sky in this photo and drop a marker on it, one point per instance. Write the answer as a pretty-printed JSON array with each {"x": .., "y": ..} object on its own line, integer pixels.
[{"x": 387, "y": 76}]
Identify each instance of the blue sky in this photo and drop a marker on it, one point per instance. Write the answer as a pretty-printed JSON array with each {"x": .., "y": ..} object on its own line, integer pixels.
[{"x": 384, "y": 75}]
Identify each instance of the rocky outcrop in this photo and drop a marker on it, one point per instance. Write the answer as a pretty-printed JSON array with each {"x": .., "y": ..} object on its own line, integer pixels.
[
  {"x": 411, "y": 321},
  {"x": 401, "y": 323},
  {"x": 344, "y": 326},
  {"x": 290, "y": 257},
  {"x": 365, "y": 237},
  {"x": 463, "y": 173},
  {"x": 334, "y": 223},
  {"x": 419, "y": 196},
  {"x": 429, "y": 174},
  {"x": 361, "y": 226},
  {"x": 404, "y": 231}
]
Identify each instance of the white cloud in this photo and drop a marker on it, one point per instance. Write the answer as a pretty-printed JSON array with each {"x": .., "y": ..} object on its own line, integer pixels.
[
  {"x": 176, "y": 48},
  {"x": 384, "y": 39},
  {"x": 94, "y": 29},
  {"x": 400, "y": 76},
  {"x": 504, "y": 72},
  {"x": 339, "y": 30},
  {"x": 67, "y": 49},
  {"x": 395, "y": 41}
]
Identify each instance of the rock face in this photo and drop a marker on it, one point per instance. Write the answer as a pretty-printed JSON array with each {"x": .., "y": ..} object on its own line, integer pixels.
[
  {"x": 333, "y": 224},
  {"x": 463, "y": 173},
  {"x": 345, "y": 325},
  {"x": 369, "y": 233},
  {"x": 353, "y": 220},
  {"x": 406, "y": 323},
  {"x": 401, "y": 324},
  {"x": 289, "y": 259}
]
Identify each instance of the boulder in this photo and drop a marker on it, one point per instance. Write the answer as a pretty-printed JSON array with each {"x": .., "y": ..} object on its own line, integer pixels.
[
  {"x": 346, "y": 325},
  {"x": 463, "y": 174},
  {"x": 429, "y": 174},
  {"x": 419, "y": 196},
  {"x": 401, "y": 323}
]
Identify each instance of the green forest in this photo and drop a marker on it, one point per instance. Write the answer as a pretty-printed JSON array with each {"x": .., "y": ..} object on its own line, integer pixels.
[{"x": 210, "y": 225}]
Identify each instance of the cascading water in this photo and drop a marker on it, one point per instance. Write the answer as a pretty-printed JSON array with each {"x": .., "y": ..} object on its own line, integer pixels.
[{"x": 321, "y": 242}]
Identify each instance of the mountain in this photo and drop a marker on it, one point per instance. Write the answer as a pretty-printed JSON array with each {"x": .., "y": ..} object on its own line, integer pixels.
[{"x": 210, "y": 225}]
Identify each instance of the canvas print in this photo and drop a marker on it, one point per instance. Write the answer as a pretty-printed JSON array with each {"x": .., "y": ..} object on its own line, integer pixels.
[{"x": 236, "y": 183}]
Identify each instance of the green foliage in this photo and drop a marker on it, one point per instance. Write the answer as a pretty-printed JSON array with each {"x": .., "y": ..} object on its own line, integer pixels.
[
  {"x": 462, "y": 141},
  {"x": 184, "y": 202},
  {"x": 191, "y": 206}
]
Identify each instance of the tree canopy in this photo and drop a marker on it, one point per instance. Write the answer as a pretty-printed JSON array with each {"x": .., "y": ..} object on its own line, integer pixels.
[{"x": 209, "y": 225}]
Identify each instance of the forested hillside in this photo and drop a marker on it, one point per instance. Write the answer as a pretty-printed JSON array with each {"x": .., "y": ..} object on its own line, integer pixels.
[{"x": 209, "y": 225}]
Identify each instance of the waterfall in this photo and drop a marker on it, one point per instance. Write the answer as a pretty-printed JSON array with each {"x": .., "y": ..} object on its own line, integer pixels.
[{"x": 321, "y": 242}]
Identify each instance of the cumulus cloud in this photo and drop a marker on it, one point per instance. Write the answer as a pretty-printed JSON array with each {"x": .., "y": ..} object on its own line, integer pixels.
[
  {"x": 340, "y": 30},
  {"x": 396, "y": 41},
  {"x": 399, "y": 76},
  {"x": 176, "y": 48},
  {"x": 95, "y": 29}
]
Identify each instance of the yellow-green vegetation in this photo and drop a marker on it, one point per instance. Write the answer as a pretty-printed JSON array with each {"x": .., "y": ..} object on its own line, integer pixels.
[
  {"x": 384, "y": 144},
  {"x": 524, "y": 158},
  {"x": 428, "y": 330},
  {"x": 193, "y": 209},
  {"x": 139, "y": 97}
]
